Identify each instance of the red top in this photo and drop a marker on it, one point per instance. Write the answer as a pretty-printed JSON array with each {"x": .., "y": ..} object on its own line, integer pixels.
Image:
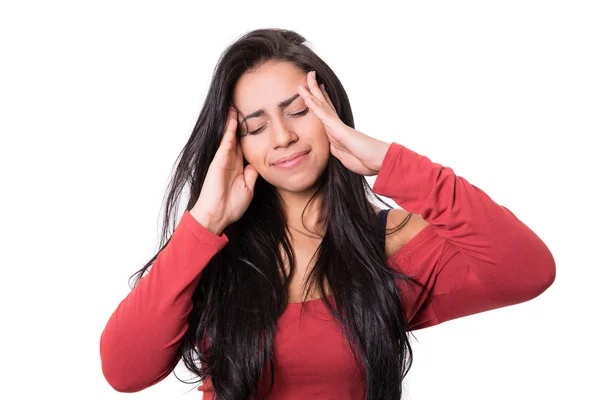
[{"x": 475, "y": 255}]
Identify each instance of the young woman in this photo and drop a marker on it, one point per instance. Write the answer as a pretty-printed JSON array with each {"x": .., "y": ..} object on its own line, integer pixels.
[{"x": 281, "y": 277}]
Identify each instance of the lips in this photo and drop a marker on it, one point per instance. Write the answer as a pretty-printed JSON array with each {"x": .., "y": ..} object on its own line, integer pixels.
[{"x": 291, "y": 157}]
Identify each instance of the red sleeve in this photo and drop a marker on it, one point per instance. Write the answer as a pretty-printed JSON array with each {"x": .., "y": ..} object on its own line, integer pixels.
[
  {"x": 139, "y": 346},
  {"x": 475, "y": 255}
]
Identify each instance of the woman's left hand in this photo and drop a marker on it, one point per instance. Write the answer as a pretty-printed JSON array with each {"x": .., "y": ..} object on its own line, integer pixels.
[{"x": 358, "y": 152}]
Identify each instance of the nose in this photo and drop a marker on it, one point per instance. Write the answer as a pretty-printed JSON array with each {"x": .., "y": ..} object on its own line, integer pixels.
[{"x": 282, "y": 136}]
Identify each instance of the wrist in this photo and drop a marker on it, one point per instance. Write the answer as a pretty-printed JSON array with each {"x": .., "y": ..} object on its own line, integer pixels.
[
  {"x": 207, "y": 222},
  {"x": 381, "y": 149}
]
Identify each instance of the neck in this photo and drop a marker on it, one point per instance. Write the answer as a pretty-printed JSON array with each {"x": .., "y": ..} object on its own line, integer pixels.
[{"x": 294, "y": 204}]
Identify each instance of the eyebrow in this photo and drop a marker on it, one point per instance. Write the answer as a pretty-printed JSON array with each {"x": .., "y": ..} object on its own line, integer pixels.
[{"x": 281, "y": 105}]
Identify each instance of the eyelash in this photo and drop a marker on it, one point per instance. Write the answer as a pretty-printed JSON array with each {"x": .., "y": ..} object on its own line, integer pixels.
[{"x": 298, "y": 114}]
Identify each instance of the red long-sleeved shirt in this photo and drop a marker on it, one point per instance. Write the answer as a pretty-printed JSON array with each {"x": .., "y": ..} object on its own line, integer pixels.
[{"x": 474, "y": 256}]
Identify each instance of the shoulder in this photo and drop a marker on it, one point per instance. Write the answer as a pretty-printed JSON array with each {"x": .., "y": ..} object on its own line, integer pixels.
[{"x": 411, "y": 224}]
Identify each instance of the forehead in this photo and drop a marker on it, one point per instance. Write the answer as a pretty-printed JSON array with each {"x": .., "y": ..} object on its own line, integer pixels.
[{"x": 271, "y": 83}]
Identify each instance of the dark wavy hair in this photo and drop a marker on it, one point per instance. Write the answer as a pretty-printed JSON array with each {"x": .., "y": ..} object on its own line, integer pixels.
[{"x": 351, "y": 259}]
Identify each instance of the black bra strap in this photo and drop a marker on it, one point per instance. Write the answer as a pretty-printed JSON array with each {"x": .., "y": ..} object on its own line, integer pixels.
[{"x": 383, "y": 221}]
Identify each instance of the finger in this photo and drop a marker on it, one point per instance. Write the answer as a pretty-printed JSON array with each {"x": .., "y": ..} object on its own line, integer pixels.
[
  {"x": 229, "y": 138},
  {"x": 318, "y": 91},
  {"x": 311, "y": 80},
  {"x": 317, "y": 103},
  {"x": 231, "y": 122},
  {"x": 311, "y": 89},
  {"x": 314, "y": 104},
  {"x": 327, "y": 97},
  {"x": 250, "y": 176}
]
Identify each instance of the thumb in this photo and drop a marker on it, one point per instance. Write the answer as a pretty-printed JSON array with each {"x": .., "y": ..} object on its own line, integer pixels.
[{"x": 250, "y": 176}]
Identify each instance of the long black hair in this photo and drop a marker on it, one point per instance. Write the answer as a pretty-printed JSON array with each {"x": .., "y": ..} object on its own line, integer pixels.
[{"x": 244, "y": 289}]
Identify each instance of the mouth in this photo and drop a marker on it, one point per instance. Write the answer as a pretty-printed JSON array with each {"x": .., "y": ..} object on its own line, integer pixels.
[
  {"x": 293, "y": 162},
  {"x": 291, "y": 157}
]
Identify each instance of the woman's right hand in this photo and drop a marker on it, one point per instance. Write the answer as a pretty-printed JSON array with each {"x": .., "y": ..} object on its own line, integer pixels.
[{"x": 228, "y": 187}]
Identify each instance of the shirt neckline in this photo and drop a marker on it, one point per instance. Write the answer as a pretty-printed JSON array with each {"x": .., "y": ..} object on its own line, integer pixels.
[{"x": 408, "y": 246}]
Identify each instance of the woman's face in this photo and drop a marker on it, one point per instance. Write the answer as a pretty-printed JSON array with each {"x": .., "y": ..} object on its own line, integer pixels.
[{"x": 278, "y": 131}]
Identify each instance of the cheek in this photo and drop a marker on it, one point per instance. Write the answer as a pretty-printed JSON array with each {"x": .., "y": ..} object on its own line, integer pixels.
[
  {"x": 249, "y": 152},
  {"x": 320, "y": 133},
  {"x": 318, "y": 127}
]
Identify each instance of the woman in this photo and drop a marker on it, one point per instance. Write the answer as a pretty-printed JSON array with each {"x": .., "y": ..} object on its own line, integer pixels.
[{"x": 365, "y": 279}]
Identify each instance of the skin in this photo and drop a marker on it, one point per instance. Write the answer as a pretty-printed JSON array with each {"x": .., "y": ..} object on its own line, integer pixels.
[{"x": 281, "y": 134}]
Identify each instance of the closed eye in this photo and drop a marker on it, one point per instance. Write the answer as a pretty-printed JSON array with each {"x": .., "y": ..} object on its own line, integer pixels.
[{"x": 298, "y": 114}]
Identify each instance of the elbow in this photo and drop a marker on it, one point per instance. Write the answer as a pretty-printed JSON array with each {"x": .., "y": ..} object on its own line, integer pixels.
[
  {"x": 548, "y": 274},
  {"x": 117, "y": 379},
  {"x": 537, "y": 267},
  {"x": 125, "y": 380},
  {"x": 533, "y": 265},
  {"x": 542, "y": 276},
  {"x": 127, "y": 372},
  {"x": 528, "y": 278},
  {"x": 118, "y": 382},
  {"x": 115, "y": 372}
]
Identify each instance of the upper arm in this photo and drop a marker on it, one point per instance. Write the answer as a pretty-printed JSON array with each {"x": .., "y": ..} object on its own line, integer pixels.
[{"x": 455, "y": 285}]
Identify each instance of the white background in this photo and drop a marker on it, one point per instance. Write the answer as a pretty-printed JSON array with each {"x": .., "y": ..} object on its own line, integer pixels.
[{"x": 98, "y": 98}]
